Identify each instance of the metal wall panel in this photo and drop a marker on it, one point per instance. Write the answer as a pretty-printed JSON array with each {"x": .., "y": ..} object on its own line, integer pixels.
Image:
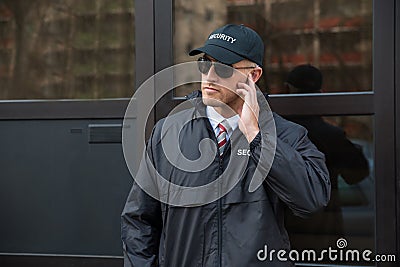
[{"x": 60, "y": 193}]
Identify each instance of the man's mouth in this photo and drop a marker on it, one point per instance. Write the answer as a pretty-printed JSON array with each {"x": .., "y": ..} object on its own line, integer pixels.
[{"x": 209, "y": 89}]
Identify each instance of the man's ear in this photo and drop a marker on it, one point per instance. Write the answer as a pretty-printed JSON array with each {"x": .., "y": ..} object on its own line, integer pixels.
[{"x": 256, "y": 74}]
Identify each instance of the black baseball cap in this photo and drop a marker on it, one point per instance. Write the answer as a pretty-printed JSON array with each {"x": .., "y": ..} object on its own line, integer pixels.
[
  {"x": 306, "y": 78},
  {"x": 233, "y": 43}
]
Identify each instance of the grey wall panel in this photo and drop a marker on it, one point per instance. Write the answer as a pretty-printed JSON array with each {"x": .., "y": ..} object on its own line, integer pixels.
[{"x": 59, "y": 193}]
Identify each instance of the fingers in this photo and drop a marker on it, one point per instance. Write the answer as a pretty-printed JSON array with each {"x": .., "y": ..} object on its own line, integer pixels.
[
  {"x": 242, "y": 93},
  {"x": 250, "y": 80},
  {"x": 249, "y": 84}
]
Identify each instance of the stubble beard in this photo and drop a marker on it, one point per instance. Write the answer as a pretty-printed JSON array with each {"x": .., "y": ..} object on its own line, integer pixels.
[{"x": 226, "y": 109}]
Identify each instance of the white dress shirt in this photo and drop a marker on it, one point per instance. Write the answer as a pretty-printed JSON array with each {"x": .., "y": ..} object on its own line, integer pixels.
[{"x": 215, "y": 118}]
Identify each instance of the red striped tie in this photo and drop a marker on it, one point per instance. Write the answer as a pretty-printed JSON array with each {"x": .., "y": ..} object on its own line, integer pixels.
[{"x": 221, "y": 139}]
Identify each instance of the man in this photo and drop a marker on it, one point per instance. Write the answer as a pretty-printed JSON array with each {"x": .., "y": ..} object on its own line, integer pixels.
[
  {"x": 342, "y": 158},
  {"x": 235, "y": 228}
]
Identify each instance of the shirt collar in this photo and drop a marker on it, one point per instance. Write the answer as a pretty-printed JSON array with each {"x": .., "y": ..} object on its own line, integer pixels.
[{"x": 215, "y": 118}]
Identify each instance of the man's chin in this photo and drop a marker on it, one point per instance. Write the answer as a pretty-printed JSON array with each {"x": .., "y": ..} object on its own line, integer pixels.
[{"x": 212, "y": 102}]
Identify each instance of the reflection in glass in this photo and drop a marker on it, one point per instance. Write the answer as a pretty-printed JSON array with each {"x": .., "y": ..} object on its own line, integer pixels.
[
  {"x": 66, "y": 49},
  {"x": 334, "y": 35},
  {"x": 347, "y": 144}
]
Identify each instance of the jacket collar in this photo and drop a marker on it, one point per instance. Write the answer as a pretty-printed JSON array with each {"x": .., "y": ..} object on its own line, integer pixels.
[{"x": 199, "y": 108}]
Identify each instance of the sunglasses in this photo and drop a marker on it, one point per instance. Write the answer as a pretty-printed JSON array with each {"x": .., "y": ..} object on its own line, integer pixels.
[{"x": 222, "y": 70}]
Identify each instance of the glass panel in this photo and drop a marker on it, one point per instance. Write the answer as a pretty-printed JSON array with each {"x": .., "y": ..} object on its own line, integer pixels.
[
  {"x": 347, "y": 143},
  {"x": 66, "y": 49},
  {"x": 333, "y": 35}
]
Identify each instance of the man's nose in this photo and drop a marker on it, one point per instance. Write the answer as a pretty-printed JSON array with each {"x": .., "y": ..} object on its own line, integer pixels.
[{"x": 211, "y": 75}]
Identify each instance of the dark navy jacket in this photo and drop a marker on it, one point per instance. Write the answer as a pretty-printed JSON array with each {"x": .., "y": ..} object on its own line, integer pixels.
[{"x": 231, "y": 230}]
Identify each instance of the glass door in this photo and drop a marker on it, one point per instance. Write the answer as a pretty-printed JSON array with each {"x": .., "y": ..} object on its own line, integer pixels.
[{"x": 349, "y": 42}]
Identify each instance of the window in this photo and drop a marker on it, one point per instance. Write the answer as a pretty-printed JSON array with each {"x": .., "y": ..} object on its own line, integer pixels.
[
  {"x": 67, "y": 49},
  {"x": 333, "y": 35}
]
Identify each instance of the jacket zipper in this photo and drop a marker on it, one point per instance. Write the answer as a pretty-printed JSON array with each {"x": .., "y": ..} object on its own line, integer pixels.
[{"x": 219, "y": 205}]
